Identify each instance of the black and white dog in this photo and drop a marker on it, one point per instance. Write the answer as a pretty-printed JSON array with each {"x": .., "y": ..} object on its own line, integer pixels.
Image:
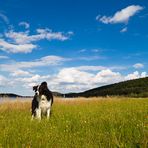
[{"x": 42, "y": 101}]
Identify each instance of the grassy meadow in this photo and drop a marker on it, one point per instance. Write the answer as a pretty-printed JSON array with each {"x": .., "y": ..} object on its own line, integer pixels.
[{"x": 79, "y": 123}]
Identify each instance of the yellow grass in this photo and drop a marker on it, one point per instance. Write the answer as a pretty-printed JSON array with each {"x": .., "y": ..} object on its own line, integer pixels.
[{"x": 80, "y": 122}]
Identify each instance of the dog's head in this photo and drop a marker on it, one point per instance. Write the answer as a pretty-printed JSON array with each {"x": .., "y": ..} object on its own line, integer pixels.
[
  {"x": 42, "y": 88},
  {"x": 36, "y": 89}
]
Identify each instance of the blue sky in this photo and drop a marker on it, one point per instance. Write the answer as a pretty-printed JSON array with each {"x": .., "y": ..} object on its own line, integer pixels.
[{"x": 73, "y": 45}]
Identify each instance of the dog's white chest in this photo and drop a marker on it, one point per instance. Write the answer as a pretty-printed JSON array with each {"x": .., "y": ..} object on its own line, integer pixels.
[{"x": 44, "y": 104}]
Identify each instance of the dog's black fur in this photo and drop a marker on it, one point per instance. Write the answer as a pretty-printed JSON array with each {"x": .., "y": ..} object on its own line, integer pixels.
[
  {"x": 35, "y": 103},
  {"x": 43, "y": 90}
]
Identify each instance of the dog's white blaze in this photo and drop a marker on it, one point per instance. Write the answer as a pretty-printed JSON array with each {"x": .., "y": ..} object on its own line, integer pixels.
[{"x": 37, "y": 91}]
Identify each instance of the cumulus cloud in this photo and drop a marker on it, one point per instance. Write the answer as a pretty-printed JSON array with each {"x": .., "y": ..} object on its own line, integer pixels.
[
  {"x": 72, "y": 75},
  {"x": 25, "y": 24},
  {"x": 16, "y": 48},
  {"x": 32, "y": 79},
  {"x": 50, "y": 35},
  {"x": 41, "y": 62},
  {"x": 3, "y": 80},
  {"x": 44, "y": 61},
  {"x": 90, "y": 58},
  {"x": 107, "y": 76},
  {"x": 20, "y": 72},
  {"x": 138, "y": 65},
  {"x": 90, "y": 68},
  {"x": 23, "y": 42},
  {"x": 4, "y": 57},
  {"x": 29, "y": 82},
  {"x": 24, "y": 37},
  {"x": 97, "y": 68},
  {"x": 135, "y": 75},
  {"x": 121, "y": 16}
]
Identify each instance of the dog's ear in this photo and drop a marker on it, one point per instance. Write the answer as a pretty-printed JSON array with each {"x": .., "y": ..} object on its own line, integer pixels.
[
  {"x": 43, "y": 86},
  {"x": 44, "y": 83},
  {"x": 35, "y": 88}
]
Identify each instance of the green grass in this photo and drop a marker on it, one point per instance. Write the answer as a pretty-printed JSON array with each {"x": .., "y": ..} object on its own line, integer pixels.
[{"x": 73, "y": 124}]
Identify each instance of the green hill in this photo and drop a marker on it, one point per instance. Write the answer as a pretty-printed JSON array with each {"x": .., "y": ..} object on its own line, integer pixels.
[{"x": 131, "y": 88}]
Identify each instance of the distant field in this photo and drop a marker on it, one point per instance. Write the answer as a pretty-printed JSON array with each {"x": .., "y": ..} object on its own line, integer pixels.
[{"x": 79, "y": 123}]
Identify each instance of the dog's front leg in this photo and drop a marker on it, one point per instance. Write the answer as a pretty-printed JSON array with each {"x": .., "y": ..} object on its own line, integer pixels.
[
  {"x": 48, "y": 113},
  {"x": 38, "y": 111}
]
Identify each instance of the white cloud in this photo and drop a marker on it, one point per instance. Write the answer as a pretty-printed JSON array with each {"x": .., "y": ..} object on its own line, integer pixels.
[
  {"x": 3, "y": 80},
  {"x": 138, "y": 65},
  {"x": 90, "y": 68},
  {"x": 22, "y": 42},
  {"x": 4, "y": 57},
  {"x": 28, "y": 82},
  {"x": 118, "y": 67},
  {"x": 107, "y": 77},
  {"x": 90, "y": 58},
  {"x": 98, "y": 68},
  {"x": 135, "y": 75},
  {"x": 91, "y": 50},
  {"x": 70, "y": 32},
  {"x": 123, "y": 30},
  {"x": 20, "y": 72},
  {"x": 18, "y": 37},
  {"x": 34, "y": 78},
  {"x": 72, "y": 75},
  {"x": 24, "y": 37},
  {"x": 25, "y": 24},
  {"x": 96, "y": 50},
  {"x": 50, "y": 35},
  {"x": 44, "y": 61},
  {"x": 121, "y": 16},
  {"x": 4, "y": 18},
  {"x": 82, "y": 50},
  {"x": 16, "y": 48}
]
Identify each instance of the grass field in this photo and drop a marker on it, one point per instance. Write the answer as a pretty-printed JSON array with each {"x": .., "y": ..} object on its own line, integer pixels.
[{"x": 79, "y": 123}]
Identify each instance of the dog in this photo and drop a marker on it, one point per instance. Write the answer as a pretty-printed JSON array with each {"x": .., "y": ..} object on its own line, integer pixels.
[{"x": 42, "y": 101}]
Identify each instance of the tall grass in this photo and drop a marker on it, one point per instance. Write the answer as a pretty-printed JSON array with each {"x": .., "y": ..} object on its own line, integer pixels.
[{"x": 77, "y": 123}]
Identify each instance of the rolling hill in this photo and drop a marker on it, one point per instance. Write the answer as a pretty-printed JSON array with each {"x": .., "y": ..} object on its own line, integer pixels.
[
  {"x": 11, "y": 95},
  {"x": 131, "y": 88}
]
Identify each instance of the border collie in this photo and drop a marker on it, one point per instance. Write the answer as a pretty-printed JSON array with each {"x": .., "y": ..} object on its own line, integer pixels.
[{"x": 42, "y": 101}]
